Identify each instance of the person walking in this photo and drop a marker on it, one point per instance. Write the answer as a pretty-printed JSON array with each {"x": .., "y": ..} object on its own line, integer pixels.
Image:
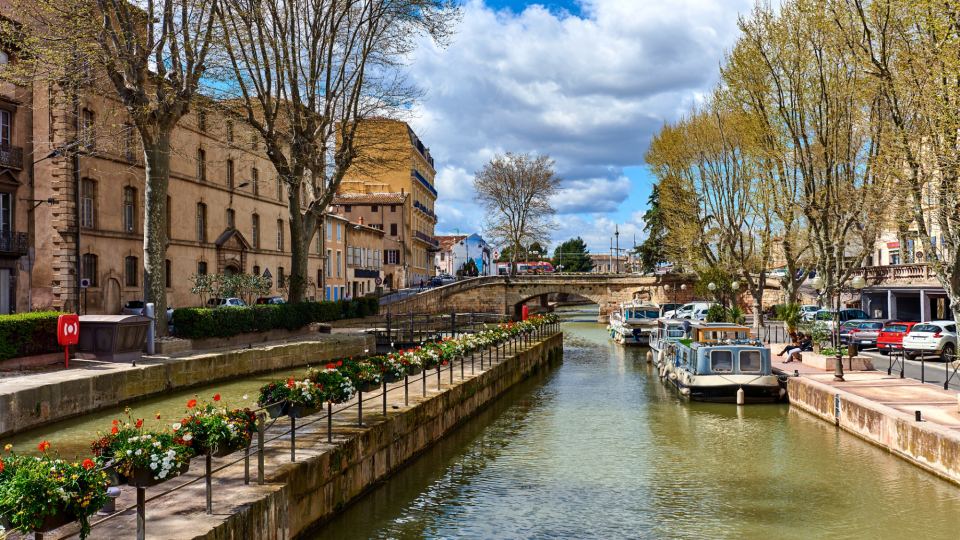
[{"x": 421, "y": 286}]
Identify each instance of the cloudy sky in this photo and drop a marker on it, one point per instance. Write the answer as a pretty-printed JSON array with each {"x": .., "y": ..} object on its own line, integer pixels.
[{"x": 587, "y": 82}]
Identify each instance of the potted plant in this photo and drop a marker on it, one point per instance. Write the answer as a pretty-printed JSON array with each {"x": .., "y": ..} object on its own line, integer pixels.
[
  {"x": 391, "y": 367},
  {"x": 146, "y": 458},
  {"x": 333, "y": 385},
  {"x": 216, "y": 430},
  {"x": 363, "y": 375},
  {"x": 293, "y": 398},
  {"x": 40, "y": 494}
]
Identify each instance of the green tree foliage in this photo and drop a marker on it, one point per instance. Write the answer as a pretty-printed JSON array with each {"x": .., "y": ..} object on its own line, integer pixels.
[
  {"x": 469, "y": 268},
  {"x": 719, "y": 277},
  {"x": 576, "y": 256},
  {"x": 650, "y": 252}
]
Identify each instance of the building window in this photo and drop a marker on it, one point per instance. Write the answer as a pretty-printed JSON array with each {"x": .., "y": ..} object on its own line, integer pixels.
[
  {"x": 201, "y": 120},
  {"x": 201, "y": 164},
  {"x": 393, "y": 256},
  {"x": 129, "y": 208},
  {"x": 338, "y": 233},
  {"x": 329, "y": 263},
  {"x": 88, "y": 269},
  {"x": 229, "y": 131},
  {"x": 255, "y": 233},
  {"x": 86, "y": 203},
  {"x": 374, "y": 208},
  {"x": 376, "y": 258},
  {"x": 201, "y": 222},
  {"x": 346, "y": 208},
  {"x": 393, "y": 208},
  {"x": 230, "y": 173},
  {"x": 202, "y": 268},
  {"x": 86, "y": 129},
  {"x": 443, "y": 256},
  {"x": 280, "y": 279},
  {"x": 231, "y": 219},
  {"x": 256, "y": 270},
  {"x": 255, "y": 180},
  {"x": 329, "y": 228},
  {"x": 339, "y": 263},
  {"x": 393, "y": 229},
  {"x": 279, "y": 235},
  {"x": 130, "y": 271},
  {"x": 894, "y": 256},
  {"x": 166, "y": 273}
]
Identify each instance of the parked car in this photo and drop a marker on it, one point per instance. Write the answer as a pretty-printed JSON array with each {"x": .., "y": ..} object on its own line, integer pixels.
[
  {"x": 688, "y": 310},
  {"x": 436, "y": 281},
  {"x": 891, "y": 336},
  {"x": 669, "y": 307},
  {"x": 225, "y": 302},
  {"x": 848, "y": 314},
  {"x": 932, "y": 338},
  {"x": 846, "y": 329},
  {"x": 270, "y": 300},
  {"x": 135, "y": 307},
  {"x": 808, "y": 312},
  {"x": 866, "y": 334}
]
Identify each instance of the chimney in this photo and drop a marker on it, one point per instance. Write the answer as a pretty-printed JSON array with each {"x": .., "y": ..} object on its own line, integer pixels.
[
  {"x": 361, "y": 220},
  {"x": 401, "y": 191}
]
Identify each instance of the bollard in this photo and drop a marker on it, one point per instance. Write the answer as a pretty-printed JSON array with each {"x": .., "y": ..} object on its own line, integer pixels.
[
  {"x": 141, "y": 513},
  {"x": 209, "y": 481},
  {"x": 461, "y": 368},
  {"x": 918, "y": 416},
  {"x": 261, "y": 425},
  {"x": 329, "y": 422},
  {"x": 246, "y": 467},
  {"x": 406, "y": 390},
  {"x": 360, "y": 407},
  {"x": 423, "y": 378},
  {"x": 384, "y": 392},
  {"x": 439, "y": 373},
  {"x": 293, "y": 438}
]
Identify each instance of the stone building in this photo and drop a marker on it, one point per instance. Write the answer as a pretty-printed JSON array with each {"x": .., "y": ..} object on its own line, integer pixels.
[
  {"x": 16, "y": 192},
  {"x": 390, "y": 213},
  {"x": 226, "y": 210},
  {"x": 456, "y": 251},
  {"x": 398, "y": 162}
]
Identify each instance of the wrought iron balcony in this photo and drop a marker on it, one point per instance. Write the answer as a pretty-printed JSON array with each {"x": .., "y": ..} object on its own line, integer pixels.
[
  {"x": 423, "y": 208},
  {"x": 11, "y": 157},
  {"x": 424, "y": 182},
  {"x": 426, "y": 238},
  {"x": 14, "y": 242}
]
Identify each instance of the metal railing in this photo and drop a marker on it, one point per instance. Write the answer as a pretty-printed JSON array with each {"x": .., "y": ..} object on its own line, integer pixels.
[
  {"x": 11, "y": 157},
  {"x": 14, "y": 242},
  {"x": 488, "y": 357}
]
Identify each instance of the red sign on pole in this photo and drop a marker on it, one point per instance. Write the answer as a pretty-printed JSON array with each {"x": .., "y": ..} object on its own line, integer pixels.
[
  {"x": 526, "y": 312},
  {"x": 68, "y": 333}
]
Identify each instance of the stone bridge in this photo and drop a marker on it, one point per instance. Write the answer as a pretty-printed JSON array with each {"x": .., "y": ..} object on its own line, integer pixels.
[{"x": 507, "y": 295}]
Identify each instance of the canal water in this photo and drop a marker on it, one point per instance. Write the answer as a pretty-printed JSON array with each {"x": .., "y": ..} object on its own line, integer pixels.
[{"x": 599, "y": 448}]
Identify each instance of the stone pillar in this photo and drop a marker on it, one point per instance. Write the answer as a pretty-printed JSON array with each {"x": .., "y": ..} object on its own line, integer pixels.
[
  {"x": 66, "y": 264},
  {"x": 924, "y": 306},
  {"x": 544, "y": 300},
  {"x": 891, "y": 305}
]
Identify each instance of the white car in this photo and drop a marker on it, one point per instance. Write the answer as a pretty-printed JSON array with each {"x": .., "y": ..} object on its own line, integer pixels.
[
  {"x": 225, "y": 302},
  {"x": 931, "y": 338},
  {"x": 135, "y": 307},
  {"x": 689, "y": 311},
  {"x": 808, "y": 312}
]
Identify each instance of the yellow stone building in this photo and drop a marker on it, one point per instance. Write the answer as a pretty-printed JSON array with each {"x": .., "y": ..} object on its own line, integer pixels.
[{"x": 398, "y": 162}]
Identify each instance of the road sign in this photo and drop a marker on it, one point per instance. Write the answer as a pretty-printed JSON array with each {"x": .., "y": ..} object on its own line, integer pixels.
[
  {"x": 378, "y": 281},
  {"x": 84, "y": 283},
  {"x": 496, "y": 254}
]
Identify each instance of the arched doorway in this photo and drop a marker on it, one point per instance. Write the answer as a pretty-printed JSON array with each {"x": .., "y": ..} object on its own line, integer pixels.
[{"x": 111, "y": 297}]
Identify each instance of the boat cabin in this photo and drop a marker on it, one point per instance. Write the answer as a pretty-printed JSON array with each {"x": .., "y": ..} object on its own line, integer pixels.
[{"x": 721, "y": 348}]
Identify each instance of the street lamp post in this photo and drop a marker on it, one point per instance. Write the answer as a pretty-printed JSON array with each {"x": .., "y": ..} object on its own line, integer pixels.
[
  {"x": 616, "y": 232},
  {"x": 857, "y": 284}
]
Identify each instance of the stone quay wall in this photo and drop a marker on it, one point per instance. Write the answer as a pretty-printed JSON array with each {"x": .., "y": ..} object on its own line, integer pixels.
[
  {"x": 300, "y": 496},
  {"x": 28, "y": 402},
  {"x": 929, "y": 445}
]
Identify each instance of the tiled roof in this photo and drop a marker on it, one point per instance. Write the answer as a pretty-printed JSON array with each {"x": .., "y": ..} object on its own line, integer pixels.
[
  {"x": 446, "y": 241},
  {"x": 370, "y": 198}
]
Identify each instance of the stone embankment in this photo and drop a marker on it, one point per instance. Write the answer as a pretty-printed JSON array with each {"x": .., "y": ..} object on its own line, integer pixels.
[
  {"x": 299, "y": 495},
  {"x": 32, "y": 401},
  {"x": 883, "y": 409}
]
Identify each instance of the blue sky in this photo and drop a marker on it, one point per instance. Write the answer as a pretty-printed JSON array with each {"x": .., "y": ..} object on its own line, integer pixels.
[{"x": 587, "y": 82}]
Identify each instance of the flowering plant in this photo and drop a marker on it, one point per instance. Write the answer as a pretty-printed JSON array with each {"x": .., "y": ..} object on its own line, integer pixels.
[
  {"x": 132, "y": 448},
  {"x": 305, "y": 392},
  {"x": 213, "y": 427},
  {"x": 334, "y": 385},
  {"x": 390, "y": 364},
  {"x": 361, "y": 372},
  {"x": 34, "y": 489}
]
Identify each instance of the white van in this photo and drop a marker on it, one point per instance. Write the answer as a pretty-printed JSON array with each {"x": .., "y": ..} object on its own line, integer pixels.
[{"x": 693, "y": 310}]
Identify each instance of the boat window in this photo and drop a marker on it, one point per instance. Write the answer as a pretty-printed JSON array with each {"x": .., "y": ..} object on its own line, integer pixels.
[
  {"x": 725, "y": 334},
  {"x": 721, "y": 361},
  {"x": 674, "y": 332},
  {"x": 750, "y": 361}
]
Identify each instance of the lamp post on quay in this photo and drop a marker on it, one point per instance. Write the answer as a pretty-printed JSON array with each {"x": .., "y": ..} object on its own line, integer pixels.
[
  {"x": 616, "y": 232},
  {"x": 856, "y": 284},
  {"x": 666, "y": 290}
]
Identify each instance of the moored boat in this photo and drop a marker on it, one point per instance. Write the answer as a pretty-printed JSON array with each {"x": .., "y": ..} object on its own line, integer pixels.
[
  {"x": 718, "y": 362},
  {"x": 634, "y": 322}
]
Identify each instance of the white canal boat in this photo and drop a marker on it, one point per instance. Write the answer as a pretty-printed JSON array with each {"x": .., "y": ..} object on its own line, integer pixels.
[{"x": 634, "y": 322}]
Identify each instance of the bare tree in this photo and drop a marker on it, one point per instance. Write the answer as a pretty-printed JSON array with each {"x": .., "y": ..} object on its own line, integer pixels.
[
  {"x": 515, "y": 192},
  {"x": 310, "y": 77},
  {"x": 152, "y": 55}
]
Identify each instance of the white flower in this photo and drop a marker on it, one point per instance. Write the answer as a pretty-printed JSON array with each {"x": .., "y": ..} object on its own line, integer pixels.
[
  {"x": 163, "y": 474},
  {"x": 138, "y": 452},
  {"x": 157, "y": 444},
  {"x": 129, "y": 452},
  {"x": 177, "y": 426},
  {"x": 188, "y": 437},
  {"x": 153, "y": 465},
  {"x": 245, "y": 396},
  {"x": 171, "y": 452}
]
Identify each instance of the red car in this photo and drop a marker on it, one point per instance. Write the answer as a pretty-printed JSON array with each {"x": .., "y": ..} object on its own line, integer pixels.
[{"x": 891, "y": 337}]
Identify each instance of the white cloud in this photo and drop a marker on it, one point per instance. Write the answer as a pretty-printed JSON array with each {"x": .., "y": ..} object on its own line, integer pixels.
[{"x": 589, "y": 90}]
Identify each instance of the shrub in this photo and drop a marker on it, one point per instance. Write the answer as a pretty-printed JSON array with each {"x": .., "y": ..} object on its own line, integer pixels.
[
  {"x": 716, "y": 313},
  {"x": 28, "y": 334},
  {"x": 198, "y": 323}
]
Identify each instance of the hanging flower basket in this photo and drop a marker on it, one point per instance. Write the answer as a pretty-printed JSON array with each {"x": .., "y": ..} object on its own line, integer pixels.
[
  {"x": 113, "y": 475},
  {"x": 299, "y": 410},
  {"x": 368, "y": 386},
  {"x": 414, "y": 370},
  {"x": 52, "y": 522},
  {"x": 390, "y": 377},
  {"x": 221, "y": 450},
  {"x": 146, "y": 477},
  {"x": 278, "y": 409}
]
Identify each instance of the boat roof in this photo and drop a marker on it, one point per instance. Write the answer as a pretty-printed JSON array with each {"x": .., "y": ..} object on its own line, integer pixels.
[
  {"x": 640, "y": 304},
  {"x": 717, "y": 326}
]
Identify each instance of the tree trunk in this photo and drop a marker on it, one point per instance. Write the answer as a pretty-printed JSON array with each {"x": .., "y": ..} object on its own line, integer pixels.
[
  {"x": 157, "y": 170},
  {"x": 299, "y": 248}
]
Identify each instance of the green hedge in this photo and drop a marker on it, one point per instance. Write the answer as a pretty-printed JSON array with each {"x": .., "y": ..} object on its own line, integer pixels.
[
  {"x": 197, "y": 323},
  {"x": 28, "y": 334}
]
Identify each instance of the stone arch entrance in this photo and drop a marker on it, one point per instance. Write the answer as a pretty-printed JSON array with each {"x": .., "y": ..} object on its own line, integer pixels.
[{"x": 111, "y": 297}]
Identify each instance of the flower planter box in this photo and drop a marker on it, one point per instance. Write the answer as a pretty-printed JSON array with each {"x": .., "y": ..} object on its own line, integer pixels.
[
  {"x": 414, "y": 370},
  {"x": 278, "y": 409},
  {"x": 52, "y": 522},
  {"x": 221, "y": 450},
  {"x": 299, "y": 410},
  {"x": 390, "y": 377},
  {"x": 144, "y": 477},
  {"x": 113, "y": 476},
  {"x": 369, "y": 386}
]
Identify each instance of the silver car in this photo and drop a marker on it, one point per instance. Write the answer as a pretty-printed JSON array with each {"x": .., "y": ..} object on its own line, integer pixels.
[{"x": 135, "y": 307}]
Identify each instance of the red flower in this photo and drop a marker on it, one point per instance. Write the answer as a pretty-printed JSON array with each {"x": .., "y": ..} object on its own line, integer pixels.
[
  {"x": 43, "y": 446},
  {"x": 1, "y": 465},
  {"x": 339, "y": 364},
  {"x": 139, "y": 423},
  {"x": 216, "y": 397},
  {"x": 88, "y": 464},
  {"x": 444, "y": 362},
  {"x": 191, "y": 404},
  {"x": 331, "y": 365},
  {"x": 115, "y": 423},
  {"x": 158, "y": 417},
  {"x": 114, "y": 430}
]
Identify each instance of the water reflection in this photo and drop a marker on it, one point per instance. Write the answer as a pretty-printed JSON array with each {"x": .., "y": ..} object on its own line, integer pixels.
[{"x": 599, "y": 448}]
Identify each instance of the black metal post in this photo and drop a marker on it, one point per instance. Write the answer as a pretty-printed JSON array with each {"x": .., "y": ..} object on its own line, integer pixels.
[
  {"x": 453, "y": 323},
  {"x": 384, "y": 392},
  {"x": 141, "y": 513},
  {"x": 451, "y": 371},
  {"x": 208, "y": 478},
  {"x": 439, "y": 373},
  {"x": 411, "y": 325},
  {"x": 329, "y": 422},
  {"x": 246, "y": 467},
  {"x": 423, "y": 378},
  {"x": 406, "y": 390},
  {"x": 389, "y": 337},
  {"x": 360, "y": 407},
  {"x": 293, "y": 438}
]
